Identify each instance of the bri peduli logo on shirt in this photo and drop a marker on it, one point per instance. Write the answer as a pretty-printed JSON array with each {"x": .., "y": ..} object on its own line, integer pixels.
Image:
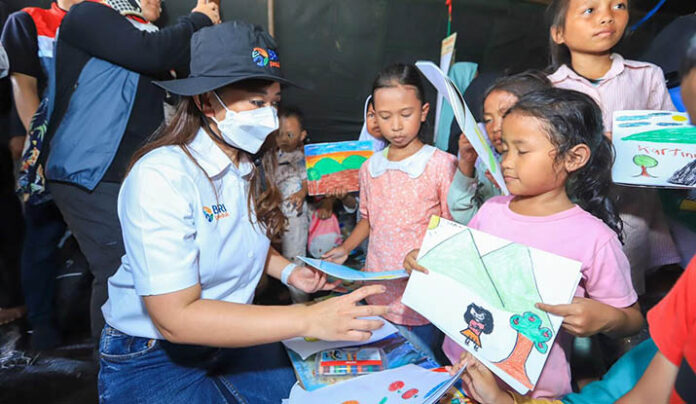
[{"x": 216, "y": 212}]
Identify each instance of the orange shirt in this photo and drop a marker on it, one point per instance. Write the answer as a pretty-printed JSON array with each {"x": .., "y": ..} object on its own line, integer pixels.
[{"x": 673, "y": 328}]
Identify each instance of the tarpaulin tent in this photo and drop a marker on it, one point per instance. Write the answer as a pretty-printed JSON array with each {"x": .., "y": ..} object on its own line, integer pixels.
[{"x": 336, "y": 47}]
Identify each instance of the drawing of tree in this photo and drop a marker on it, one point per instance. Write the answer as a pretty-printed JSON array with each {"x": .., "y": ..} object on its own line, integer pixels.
[
  {"x": 644, "y": 162},
  {"x": 530, "y": 334}
]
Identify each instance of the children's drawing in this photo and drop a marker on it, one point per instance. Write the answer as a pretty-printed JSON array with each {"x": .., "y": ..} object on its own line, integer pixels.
[
  {"x": 330, "y": 165},
  {"x": 644, "y": 162},
  {"x": 306, "y": 347},
  {"x": 350, "y": 274},
  {"x": 487, "y": 289},
  {"x": 464, "y": 118},
  {"x": 661, "y": 143},
  {"x": 478, "y": 321},
  {"x": 409, "y": 384}
]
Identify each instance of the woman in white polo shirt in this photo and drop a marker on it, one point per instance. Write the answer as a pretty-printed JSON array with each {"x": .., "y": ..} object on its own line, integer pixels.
[{"x": 197, "y": 209}]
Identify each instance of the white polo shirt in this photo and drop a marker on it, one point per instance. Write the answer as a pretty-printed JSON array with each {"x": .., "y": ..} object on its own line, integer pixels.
[{"x": 179, "y": 231}]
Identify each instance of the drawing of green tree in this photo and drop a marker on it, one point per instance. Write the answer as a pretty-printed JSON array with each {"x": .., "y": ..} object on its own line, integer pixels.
[{"x": 644, "y": 162}]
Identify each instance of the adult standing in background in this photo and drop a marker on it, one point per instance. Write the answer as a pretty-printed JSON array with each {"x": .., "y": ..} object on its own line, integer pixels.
[
  {"x": 104, "y": 107},
  {"x": 29, "y": 36}
]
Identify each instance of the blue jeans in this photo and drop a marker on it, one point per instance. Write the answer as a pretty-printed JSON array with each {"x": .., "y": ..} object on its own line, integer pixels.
[
  {"x": 425, "y": 338},
  {"x": 142, "y": 370}
]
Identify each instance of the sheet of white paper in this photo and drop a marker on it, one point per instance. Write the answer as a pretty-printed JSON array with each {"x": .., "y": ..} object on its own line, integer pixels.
[
  {"x": 654, "y": 149},
  {"x": 306, "y": 347},
  {"x": 485, "y": 288},
  {"x": 407, "y": 384},
  {"x": 464, "y": 118}
]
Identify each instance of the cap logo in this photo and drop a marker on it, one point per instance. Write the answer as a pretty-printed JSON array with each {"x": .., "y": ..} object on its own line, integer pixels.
[{"x": 263, "y": 57}]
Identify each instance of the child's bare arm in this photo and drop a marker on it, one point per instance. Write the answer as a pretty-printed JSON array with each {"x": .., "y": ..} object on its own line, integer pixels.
[
  {"x": 655, "y": 386},
  {"x": 340, "y": 253}
]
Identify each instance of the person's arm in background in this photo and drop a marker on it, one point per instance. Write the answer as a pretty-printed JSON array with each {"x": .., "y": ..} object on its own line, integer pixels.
[
  {"x": 25, "y": 91},
  {"x": 19, "y": 38},
  {"x": 93, "y": 28}
]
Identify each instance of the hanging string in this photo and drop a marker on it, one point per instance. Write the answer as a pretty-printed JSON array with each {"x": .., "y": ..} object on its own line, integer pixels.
[
  {"x": 448, "y": 3},
  {"x": 647, "y": 16}
]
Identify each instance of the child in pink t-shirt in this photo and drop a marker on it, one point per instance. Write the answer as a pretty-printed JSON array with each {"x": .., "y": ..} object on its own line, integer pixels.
[
  {"x": 400, "y": 188},
  {"x": 557, "y": 166}
]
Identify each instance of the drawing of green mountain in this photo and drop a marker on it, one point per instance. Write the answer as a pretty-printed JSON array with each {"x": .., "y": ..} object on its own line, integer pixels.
[
  {"x": 353, "y": 162},
  {"x": 685, "y": 135},
  {"x": 457, "y": 257},
  {"x": 512, "y": 273},
  {"x": 327, "y": 166},
  {"x": 504, "y": 277}
]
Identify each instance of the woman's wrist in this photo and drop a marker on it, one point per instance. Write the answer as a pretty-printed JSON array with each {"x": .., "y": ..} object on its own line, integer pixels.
[{"x": 286, "y": 272}]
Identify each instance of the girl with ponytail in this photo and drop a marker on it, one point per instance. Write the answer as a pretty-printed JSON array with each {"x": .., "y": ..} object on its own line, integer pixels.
[{"x": 557, "y": 166}]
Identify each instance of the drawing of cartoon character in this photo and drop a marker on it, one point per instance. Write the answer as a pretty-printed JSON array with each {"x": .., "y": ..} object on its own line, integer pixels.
[{"x": 479, "y": 320}]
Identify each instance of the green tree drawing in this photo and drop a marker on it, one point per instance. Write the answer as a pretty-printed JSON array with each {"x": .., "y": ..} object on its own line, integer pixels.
[{"x": 644, "y": 162}]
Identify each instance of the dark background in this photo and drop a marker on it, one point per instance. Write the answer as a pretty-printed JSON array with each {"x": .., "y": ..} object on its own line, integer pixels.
[{"x": 336, "y": 47}]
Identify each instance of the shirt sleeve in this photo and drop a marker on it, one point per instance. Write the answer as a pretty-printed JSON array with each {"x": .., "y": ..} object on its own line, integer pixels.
[
  {"x": 104, "y": 33},
  {"x": 674, "y": 317},
  {"x": 608, "y": 279},
  {"x": 659, "y": 94},
  {"x": 21, "y": 44},
  {"x": 447, "y": 173},
  {"x": 159, "y": 230},
  {"x": 364, "y": 191},
  {"x": 4, "y": 62},
  {"x": 460, "y": 197}
]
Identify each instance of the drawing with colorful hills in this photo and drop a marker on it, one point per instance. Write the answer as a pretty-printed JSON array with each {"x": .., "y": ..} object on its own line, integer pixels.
[{"x": 330, "y": 165}]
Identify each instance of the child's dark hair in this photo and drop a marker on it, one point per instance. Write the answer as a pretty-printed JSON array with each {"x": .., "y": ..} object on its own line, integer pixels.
[
  {"x": 290, "y": 112},
  {"x": 520, "y": 84},
  {"x": 689, "y": 62},
  {"x": 572, "y": 118},
  {"x": 556, "y": 17},
  {"x": 400, "y": 74}
]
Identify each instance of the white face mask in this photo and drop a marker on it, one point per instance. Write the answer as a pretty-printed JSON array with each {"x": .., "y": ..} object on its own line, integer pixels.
[{"x": 247, "y": 130}]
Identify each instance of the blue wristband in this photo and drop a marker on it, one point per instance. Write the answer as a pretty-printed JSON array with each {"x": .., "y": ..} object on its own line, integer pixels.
[{"x": 287, "y": 271}]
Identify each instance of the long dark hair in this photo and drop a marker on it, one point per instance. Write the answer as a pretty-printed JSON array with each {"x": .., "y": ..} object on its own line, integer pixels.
[
  {"x": 520, "y": 84},
  {"x": 405, "y": 75},
  {"x": 572, "y": 118},
  {"x": 264, "y": 198}
]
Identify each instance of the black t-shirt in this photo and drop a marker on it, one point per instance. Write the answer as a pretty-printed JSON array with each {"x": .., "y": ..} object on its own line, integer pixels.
[
  {"x": 669, "y": 46},
  {"x": 19, "y": 37},
  {"x": 95, "y": 30}
]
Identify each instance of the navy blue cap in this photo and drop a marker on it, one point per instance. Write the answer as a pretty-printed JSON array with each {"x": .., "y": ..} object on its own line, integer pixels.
[{"x": 226, "y": 53}]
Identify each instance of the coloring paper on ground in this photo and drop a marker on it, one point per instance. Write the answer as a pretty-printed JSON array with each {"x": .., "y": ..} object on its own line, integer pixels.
[
  {"x": 654, "y": 149},
  {"x": 309, "y": 346},
  {"x": 350, "y": 274},
  {"x": 330, "y": 165},
  {"x": 407, "y": 384},
  {"x": 485, "y": 289},
  {"x": 464, "y": 118}
]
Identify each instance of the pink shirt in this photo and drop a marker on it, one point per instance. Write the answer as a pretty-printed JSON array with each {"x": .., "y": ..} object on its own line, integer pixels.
[
  {"x": 398, "y": 208},
  {"x": 628, "y": 84},
  {"x": 574, "y": 234}
]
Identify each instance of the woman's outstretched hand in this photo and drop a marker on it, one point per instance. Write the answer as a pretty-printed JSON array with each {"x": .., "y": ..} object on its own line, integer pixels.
[
  {"x": 310, "y": 280},
  {"x": 338, "y": 318}
]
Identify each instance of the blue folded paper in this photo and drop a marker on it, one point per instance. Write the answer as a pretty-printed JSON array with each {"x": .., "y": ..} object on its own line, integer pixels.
[{"x": 350, "y": 274}]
